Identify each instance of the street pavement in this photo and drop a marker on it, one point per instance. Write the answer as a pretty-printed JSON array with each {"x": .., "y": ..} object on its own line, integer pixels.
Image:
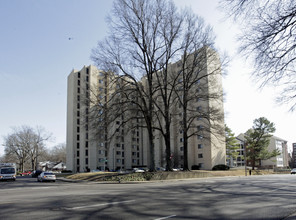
[{"x": 253, "y": 197}]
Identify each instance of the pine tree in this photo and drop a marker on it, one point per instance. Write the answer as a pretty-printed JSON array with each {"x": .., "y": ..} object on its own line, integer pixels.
[{"x": 231, "y": 144}]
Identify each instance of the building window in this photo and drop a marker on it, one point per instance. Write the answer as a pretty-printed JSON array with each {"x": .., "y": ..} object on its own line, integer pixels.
[
  {"x": 86, "y": 161},
  {"x": 200, "y": 156},
  {"x": 181, "y": 148},
  {"x": 78, "y": 113},
  {"x": 200, "y": 127},
  {"x": 118, "y": 160},
  {"x": 86, "y": 152},
  {"x": 86, "y": 143},
  {"x": 199, "y": 136},
  {"x": 78, "y": 129},
  {"x": 118, "y": 153},
  {"x": 78, "y": 98},
  {"x": 87, "y": 71},
  {"x": 78, "y": 82},
  {"x": 201, "y": 165},
  {"x": 77, "y": 161},
  {"x": 181, "y": 139},
  {"x": 78, "y": 137},
  {"x": 78, "y": 121},
  {"x": 200, "y": 146},
  {"x": 78, "y": 74},
  {"x": 87, "y": 79},
  {"x": 78, "y": 105},
  {"x": 77, "y": 153},
  {"x": 77, "y": 145},
  {"x": 78, "y": 90}
]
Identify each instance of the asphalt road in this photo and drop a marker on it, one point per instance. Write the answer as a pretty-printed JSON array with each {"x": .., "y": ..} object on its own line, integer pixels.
[{"x": 253, "y": 197}]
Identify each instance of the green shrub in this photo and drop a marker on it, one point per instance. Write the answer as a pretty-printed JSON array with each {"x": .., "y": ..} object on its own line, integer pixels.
[
  {"x": 220, "y": 167},
  {"x": 194, "y": 167}
]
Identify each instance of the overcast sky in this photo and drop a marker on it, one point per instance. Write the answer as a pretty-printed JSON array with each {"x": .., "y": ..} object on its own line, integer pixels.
[{"x": 42, "y": 41}]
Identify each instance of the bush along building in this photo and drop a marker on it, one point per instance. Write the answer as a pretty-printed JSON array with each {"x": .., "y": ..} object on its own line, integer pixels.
[{"x": 107, "y": 117}]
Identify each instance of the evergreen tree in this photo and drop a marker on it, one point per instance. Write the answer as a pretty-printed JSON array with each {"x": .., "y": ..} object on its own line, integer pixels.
[
  {"x": 231, "y": 144},
  {"x": 257, "y": 141}
]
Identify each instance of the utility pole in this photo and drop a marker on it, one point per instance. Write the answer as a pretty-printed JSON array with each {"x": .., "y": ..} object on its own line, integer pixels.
[{"x": 245, "y": 155}]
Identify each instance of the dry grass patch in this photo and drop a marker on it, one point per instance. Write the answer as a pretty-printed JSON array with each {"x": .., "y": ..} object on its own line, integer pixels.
[{"x": 150, "y": 176}]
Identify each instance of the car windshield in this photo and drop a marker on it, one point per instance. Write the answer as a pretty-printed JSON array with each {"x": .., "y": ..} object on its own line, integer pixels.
[
  {"x": 48, "y": 173},
  {"x": 7, "y": 170}
]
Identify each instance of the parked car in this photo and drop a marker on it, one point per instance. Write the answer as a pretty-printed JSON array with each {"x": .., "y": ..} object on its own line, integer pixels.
[
  {"x": 46, "y": 176},
  {"x": 25, "y": 173},
  {"x": 36, "y": 173},
  {"x": 160, "y": 169},
  {"x": 138, "y": 170},
  {"x": 293, "y": 171}
]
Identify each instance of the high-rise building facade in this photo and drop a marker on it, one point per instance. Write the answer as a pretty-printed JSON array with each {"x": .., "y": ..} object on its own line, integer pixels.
[
  {"x": 123, "y": 145},
  {"x": 89, "y": 146}
]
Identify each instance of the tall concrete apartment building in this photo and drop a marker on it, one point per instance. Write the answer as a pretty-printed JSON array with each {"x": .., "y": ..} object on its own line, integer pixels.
[{"x": 90, "y": 147}]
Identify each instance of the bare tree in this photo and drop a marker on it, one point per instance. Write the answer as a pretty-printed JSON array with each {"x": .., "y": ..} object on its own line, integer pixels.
[
  {"x": 39, "y": 138},
  {"x": 57, "y": 153},
  {"x": 176, "y": 82},
  {"x": 268, "y": 37},
  {"x": 200, "y": 95},
  {"x": 145, "y": 37},
  {"x": 25, "y": 144},
  {"x": 134, "y": 48}
]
